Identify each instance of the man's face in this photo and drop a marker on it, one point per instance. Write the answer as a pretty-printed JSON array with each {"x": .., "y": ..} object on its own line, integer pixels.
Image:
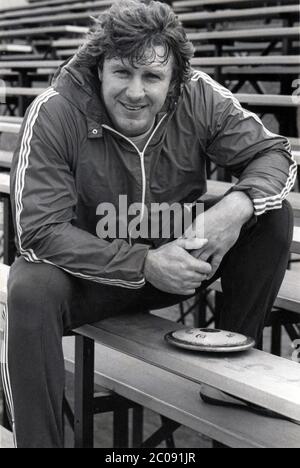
[{"x": 134, "y": 95}]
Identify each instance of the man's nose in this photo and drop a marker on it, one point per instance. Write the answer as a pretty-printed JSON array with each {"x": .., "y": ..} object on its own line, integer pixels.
[{"x": 135, "y": 90}]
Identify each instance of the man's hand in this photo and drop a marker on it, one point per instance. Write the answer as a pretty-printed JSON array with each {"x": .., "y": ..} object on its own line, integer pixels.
[
  {"x": 171, "y": 268},
  {"x": 222, "y": 226}
]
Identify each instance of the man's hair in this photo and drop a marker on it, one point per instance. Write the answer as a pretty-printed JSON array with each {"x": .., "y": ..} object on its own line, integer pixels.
[{"x": 130, "y": 29}]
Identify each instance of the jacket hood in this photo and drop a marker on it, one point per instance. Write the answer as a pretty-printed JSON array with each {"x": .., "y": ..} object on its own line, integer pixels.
[{"x": 81, "y": 86}]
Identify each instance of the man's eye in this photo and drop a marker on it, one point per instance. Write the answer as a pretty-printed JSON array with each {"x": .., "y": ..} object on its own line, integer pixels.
[
  {"x": 121, "y": 72},
  {"x": 152, "y": 77}
]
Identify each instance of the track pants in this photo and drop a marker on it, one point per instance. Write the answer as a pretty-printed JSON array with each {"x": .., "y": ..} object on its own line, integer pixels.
[{"x": 44, "y": 303}]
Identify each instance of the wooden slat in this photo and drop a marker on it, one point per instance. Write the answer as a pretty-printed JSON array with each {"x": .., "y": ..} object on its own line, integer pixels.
[
  {"x": 24, "y": 64},
  {"x": 66, "y": 18},
  {"x": 269, "y": 100},
  {"x": 251, "y": 60},
  {"x": 4, "y": 272},
  {"x": 212, "y": 4},
  {"x": 263, "y": 379},
  {"x": 4, "y": 183},
  {"x": 296, "y": 155},
  {"x": 178, "y": 399},
  {"x": 92, "y": 5},
  {"x": 200, "y": 18},
  {"x": 6, "y": 439},
  {"x": 16, "y": 91},
  {"x": 259, "y": 34},
  {"x": 5, "y": 158},
  {"x": 51, "y": 30},
  {"x": 6, "y": 127},
  {"x": 18, "y": 48},
  {"x": 52, "y": 3}
]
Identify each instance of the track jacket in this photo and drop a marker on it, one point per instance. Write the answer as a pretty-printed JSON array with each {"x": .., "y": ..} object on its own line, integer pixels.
[{"x": 69, "y": 159}]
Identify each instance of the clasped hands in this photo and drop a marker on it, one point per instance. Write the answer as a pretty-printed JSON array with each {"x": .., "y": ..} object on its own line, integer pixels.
[{"x": 180, "y": 266}]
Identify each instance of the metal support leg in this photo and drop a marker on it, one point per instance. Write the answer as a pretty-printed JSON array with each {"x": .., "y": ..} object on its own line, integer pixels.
[
  {"x": 137, "y": 426},
  {"x": 276, "y": 339},
  {"x": 120, "y": 430},
  {"x": 84, "y": 392}
]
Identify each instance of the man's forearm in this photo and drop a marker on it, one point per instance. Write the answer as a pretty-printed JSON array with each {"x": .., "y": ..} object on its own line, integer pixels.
[{"x": 238, "y": 206}]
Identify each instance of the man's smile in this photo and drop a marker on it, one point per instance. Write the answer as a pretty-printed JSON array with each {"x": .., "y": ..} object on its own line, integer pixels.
[{"x": 132, "y": 107}]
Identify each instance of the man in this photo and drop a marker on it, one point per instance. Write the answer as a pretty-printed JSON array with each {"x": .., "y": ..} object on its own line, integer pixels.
[{"x": 127, "y": 116}]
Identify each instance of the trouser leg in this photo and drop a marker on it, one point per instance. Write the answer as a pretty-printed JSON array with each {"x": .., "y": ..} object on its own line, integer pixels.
[
  {"x": 43, "y": 303},
  {"x": 37, "y": 295},
  {"x": 253, "y": 270}
]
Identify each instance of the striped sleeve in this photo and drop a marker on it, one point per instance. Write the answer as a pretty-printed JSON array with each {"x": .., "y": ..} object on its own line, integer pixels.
[{"x": 238, "y": 141}]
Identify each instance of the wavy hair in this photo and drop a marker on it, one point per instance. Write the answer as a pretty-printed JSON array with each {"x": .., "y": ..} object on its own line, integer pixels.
[{"x": 131, "y": 29}]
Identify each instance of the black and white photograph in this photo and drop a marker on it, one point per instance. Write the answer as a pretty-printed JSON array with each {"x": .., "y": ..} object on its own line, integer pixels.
[{"x": 150, "y": 226}]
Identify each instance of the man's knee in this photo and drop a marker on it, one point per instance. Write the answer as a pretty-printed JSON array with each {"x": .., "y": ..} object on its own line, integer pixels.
[{"x": 34, "y": 287}]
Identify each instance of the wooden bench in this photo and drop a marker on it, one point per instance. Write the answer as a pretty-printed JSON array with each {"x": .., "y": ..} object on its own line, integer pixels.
[
  {"x": 6, "y": 438},
  {"x": 47, "y": 31},
  {"x": 46, "y": 10},
  {"x": 246, "y": 14},
  {"x": 16, "y": 48},
  {"x": 255, "y": 34},
  {"x": 180, "y": 5},
  {"x": 132, "y": 356}
]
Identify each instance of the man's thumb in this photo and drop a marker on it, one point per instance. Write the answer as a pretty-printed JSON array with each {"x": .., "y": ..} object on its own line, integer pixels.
[{"x": 192, "y": 244}]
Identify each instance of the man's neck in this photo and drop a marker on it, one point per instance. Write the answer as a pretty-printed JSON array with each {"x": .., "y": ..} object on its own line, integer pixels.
[{"x": 141, "y": 140}]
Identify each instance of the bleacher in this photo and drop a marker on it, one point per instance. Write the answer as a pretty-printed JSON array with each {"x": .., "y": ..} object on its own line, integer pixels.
[{"x": 251, "y": 47}]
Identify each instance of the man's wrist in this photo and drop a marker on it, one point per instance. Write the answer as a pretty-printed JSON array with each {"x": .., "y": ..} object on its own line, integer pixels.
[{"x": 240, "y": 205}]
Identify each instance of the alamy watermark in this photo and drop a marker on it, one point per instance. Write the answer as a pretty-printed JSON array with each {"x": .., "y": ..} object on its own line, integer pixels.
[
  {"x": 2, "y": 92},
  {"x": 156, "y": 221}
]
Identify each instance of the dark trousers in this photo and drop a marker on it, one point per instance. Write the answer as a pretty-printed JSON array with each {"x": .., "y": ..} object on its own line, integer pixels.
[{"x": 44, "y": 303}]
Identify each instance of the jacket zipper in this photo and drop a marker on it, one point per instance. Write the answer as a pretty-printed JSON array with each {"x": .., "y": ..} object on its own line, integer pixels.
[{"x": 142, "y": 161}]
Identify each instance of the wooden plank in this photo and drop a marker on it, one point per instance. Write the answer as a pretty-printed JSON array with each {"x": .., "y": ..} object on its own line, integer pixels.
[
  {"x": 16, "y": 91},
  {"x": 7, "y": 127},
  {"x": 11, "y": 119},
  {"x": 260, "y": 378},
  {"x": 18, "y": 48},
  {"x": 52, "y": 3},
  {"x": 178, "y": 398},
  {"x": 186, "y": 18},
  {"x": 247, "y": 14},
  {"x": 6, "y": 439},
  {"x": 295, "y": 142},
  {"x": 213, "y": 4},
  {"x": 296, "y": 155},
  {"x": 268, "y": 100},
  {"x": 6, "y": 158},
  {"x": 66, "y": 18},
  {"x": 259, "y": 34},
  {"x": 44, "y": 31},
  {"x": 4, "y": 183},
  {"x": 26, "y": 64},
  {"x": 4, "y": 272},
  {"x": 296, "y": 241},
  {"x": 250, "y": 60},
  {"x": 92, "y": 5}
]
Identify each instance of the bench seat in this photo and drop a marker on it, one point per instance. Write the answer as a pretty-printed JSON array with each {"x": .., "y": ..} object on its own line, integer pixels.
[{"x": 178, "y": 399}]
